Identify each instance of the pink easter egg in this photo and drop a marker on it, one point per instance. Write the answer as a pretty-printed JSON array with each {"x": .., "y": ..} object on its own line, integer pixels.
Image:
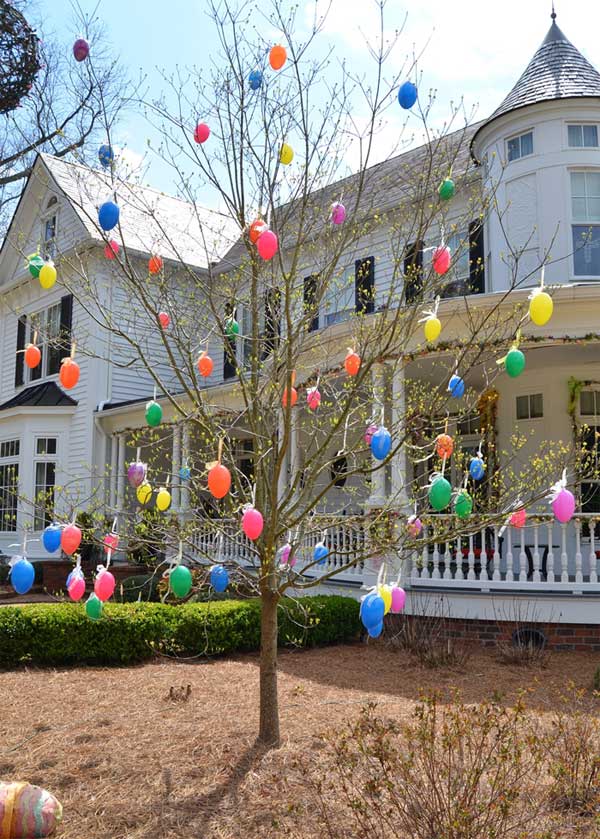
[
  {"x": 338, "y": 213},
  {"x": 398, "y": 599},
  {"x": 369, "y": 431},
  {"x": 267, "y": 245},
  {"x": 564, "y": 506},
  {"x": 201, "y": 132},
  {"x": 104, "y": 585},
  {"x": 252, "y": 523},
  {"x": 136, "y": 473},
  {"x": 284, "y": 554},
  {"x": 441, "y": 260},
  {"x": 76, "y": 588},
  {"x": 518, "y": 518},
  {"x": 164, "y": 319},
  {"x": 313, "y": 398},
  {"x": 111, "y": 542},
  {"x": 414, "y": 526}
]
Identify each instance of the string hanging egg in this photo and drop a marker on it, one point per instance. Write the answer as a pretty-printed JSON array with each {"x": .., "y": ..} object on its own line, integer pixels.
[
  {"x": 51, "y": 538},
  {"x": 255, "y": 80},
  {"x": 35, "y": 263},
  {"x": 320, "y": 553},
  {"x": 180, "y": 580},
  {"x": 385, "y": 592},
  {"x": 313, "y": 398},
  {"x": 70, "y": 539},
  {"x": 541, "y": 307},
  {"x": 514, "y": 363},
  {"x": 369, "y": 431},
  {"x": 267, "y": 245},
  {"x": 163, "y": 499},
  {"x": 185, "y": 473},
  {"x": 143, "y": 493},
  {"x": 219, "y": 481},
  {"x": 407, "y": 95},
  {"x": 441, "y": 260},
  {"x": 563, "y": 506},
  {"x": 381, "y": 443},
  {"x": 518, "y": 518},
  {"x": 286, "y": 154},
  {"x": 477, "y": 468},
  {"x": 105, "y": 155},
  {"x": 337, "y": 213},
  {"x": 76, "y": 585},
  {"x": 444, "y": 445},
  {"x": 69, "y": 373},
  {"x": 136, "y": 473},
  {"x": 110, "y": 542},
  {"x": 93, "y": 607},
  {"x": 47, "y": 275},
  {"x": 372, "y": 611},
  {"x": 398, "y": 599},
  {"x": 81, "y": 49},
  {"x": 111, "y": 249},
  {"x": 33, "y": 356},
  {"x": 463, "y": 504},
  {"x": 432, "y": 328},
  {"x": 108, "y": 215},
  {"x": 252, "y": 523},
  {"x": 456, "y": 386},
  {"x": 22, "y": 575},
  {"x": 164, "y": 319},
  {"x": 104, "y": 585},
  {"x": 155, "y": 264},
  {"x": 293, "y": 393},
  {"x": 232, "y": 327},
  {"x": 414, "y": 526},
  {"x": 257, "y": 227},
  {"x": 440, "y": 493},
  {"x": 446, "y": 189},
  {"x": 352, "y": 363}
]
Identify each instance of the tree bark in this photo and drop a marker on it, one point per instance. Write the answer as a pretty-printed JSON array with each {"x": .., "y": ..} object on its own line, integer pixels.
[{"x": 269, "y": 702}]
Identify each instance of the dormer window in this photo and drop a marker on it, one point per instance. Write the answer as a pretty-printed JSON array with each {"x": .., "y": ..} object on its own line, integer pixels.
[
  {"x": 49, "y": 228},
  {"x": 518, "y": 147},
  {"x": 583, "y": 136}
]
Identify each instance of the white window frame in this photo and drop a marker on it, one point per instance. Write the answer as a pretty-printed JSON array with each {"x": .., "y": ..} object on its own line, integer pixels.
[
  {"x": 34, "y": 323},
  {"x": 583, "y": 124},
  {"x": 337, "y": 287},
  {"x": 528, "y": 394},
  {"x": 576, "y": 223},
  {"x": 519, "y": 137},
  {"x": 48, "y": 245},
  {"x": 43, "y": 458},
  {"x": 12, "y": 460}
]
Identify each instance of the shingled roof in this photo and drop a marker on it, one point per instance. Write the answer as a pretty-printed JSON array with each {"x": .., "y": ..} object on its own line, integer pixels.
[{"x": 44, "y": 395}]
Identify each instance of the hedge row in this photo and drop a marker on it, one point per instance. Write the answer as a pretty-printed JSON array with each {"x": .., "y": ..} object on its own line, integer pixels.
[{"x": 61, "y": 633}]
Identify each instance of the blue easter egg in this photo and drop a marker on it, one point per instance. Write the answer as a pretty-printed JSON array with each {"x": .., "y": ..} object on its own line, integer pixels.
[
  {"x": 255, "y": 79},
  {"x": 51, "y": 538},
  {"x": 456, "y": 386},
  {"x": 381, "y": 443},
  {"x": 372, "y": 610},
  {"x": 108, "y": 215},
  {"x": 320, "y": 553},
  {"x": 219, "y": 578},
  {"x": 105, "y": 155},
  {"x": 185, "y": 473},
  {"x": 407, "y": 95},
  {"x": 22, "y": 575},
  {"x": 375, "y": 631},
  {"x": 476, "y": 468}
]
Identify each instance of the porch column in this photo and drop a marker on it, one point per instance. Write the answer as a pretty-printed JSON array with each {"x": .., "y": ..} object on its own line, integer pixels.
[
  {"x": 175, "y": 467},
  {"x": 377, "y": 497},
  {"x": 184, "y": 489},
  {"x": 114, "y": 465},
  {"x": 399, "y": 466},
  {"x": 120, "y": 472}
]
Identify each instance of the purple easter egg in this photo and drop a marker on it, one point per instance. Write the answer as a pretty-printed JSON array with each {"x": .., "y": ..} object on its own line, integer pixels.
[
  {"x": 369, "y": 431},
  {"x": 564, "y": 506},
  {"x": 136, "y": 474},
  {"x": 338, "y": 213}
]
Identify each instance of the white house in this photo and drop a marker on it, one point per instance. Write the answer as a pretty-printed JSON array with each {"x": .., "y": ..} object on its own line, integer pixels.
[{"x": 538, "y": 154}]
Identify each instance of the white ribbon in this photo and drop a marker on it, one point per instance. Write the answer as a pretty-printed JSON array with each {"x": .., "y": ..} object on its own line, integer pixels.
[
  {"x": 430, "y": 313},
  {"x": 558, "y": 487}
]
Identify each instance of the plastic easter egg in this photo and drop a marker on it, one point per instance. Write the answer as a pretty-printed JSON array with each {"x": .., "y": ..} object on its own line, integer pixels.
[
  {"x": 446, "y": 189},
  {"x": 110, "y": 542},
  {"x": 22, "y": 575},
  {"x": 320, "y": 553},
  {"x": 414, "y": 526},
  {"x": 165, "y": 319},
  {"x": 563, "y": 506},
  {"x": 476, "y": 468},
  {"x": 163, "y": 499},
  {"x": 35, "y": 264},
  {"x": 277, "y": 57},
  {"x": 257, "y": 228},
  {"x": 267, "y": 245},
  {"x": 284, "y": 554},
  {"x": 76, "y": 588},
  {"x": 180, "y": 581},
  {"x": 440, "y": 493},
  {"x": 398, "y": 599},
  {"x": 93, "y": 607},
  {"x": 104, "y": 586},
  {"x": 313, "y": 398},
  {"x": 338, "y": 213},
  {"x": 205, "y": 365},
  {"x": 375, "y": 631},
  {"x": 514, "y": 363},
  {"x": 33, "y": 356},
  {"x": 381, "y": 443},
  {"x": 154, "y": 413},
  {"x": 143, "y": 493},
  {"x": 432, "y": 328},
  {"x": 372, "y": 610},
  {"x": 27, "y": 811},
  {"x": 441, "y": 260},
  {"x": 108, "y": 215},
  {"x": 352, "y": 363},
  {"x": 255, "y": 80},
  {"x": 219, "y": 481},
  {"x": 456, "y": 386},
  {"x": 81, "y": 49},
  {"x": 385, "y": 592},
  {"x": 69, "y": 373},
  {"x": 518, "y": 518},
  {"x": 463, "y": 504},
  {"x": 47, "y": 276},
  {"x": 219, "y": 578},
  {"x": 201, "y": 132},
  {"x": 136, "y": 473},
  {"x": 51, "y": 538},
  {"x": 541, "y": 307},
  {"x": 232, "y": 327},
  {"x": 111, "y": 250},
  {"x": 185, "y": 473},
  {"x": 70, "y": 539},
  {"x": 155, "y": 264},
  {"x": 252, "y": 523},
  {"x": 444, "y": 445},
  {"x": 293, "y": 398},
  {"x": 369, "y": 431},
  {"x": 105, "y": 155},
  {"x": 407, "y": 95},
  {"x": 286, "y": 154}
]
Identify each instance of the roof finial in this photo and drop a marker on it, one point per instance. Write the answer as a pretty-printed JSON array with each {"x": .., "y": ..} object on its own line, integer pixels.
[{"x": 553, "y": 15}]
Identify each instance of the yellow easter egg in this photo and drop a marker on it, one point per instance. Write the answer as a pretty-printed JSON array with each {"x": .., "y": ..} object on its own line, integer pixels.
[
  {"x": 432, "y": 328},
  {"x": 144, "y": 493},
  {"x": 540, "y": 308},
  {"x": 385, "y": 593},
  {"x": 286, "y": 155},
  {"x": 163, "y": 499},
  {"x": 47, "y": 275}
]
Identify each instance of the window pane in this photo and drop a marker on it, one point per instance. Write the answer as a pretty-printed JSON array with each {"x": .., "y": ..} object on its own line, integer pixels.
[
  {"x": 522, "y": 407},
  {"x": 579, "y": 207},
  {"x": 51, "y": 445},
  {"x": 586, "y": 247},
  {"x": 339, "y": 299},
  {"x": 587, "y": 404},
  {"x": 578, "y": 184},
  {"x": 527, "y": 144},
  {"x": 590, "y": 498},
  {"x": 44, "y": 494},
  {"x": 513, "y": 149},
  {"x": 536, "y": 405},
  {"x": 593, "y": 210},
  {"x": 575, "y": 136},
  {"x": 9, "y": 491},
  {"x": 590, "y": 136}
]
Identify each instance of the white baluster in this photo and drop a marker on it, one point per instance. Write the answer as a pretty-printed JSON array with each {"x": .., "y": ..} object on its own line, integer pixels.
[
  {"x": 448, "y": 562},
  {"x": 578, "y": 557},
  {"x": 523, "y": 564},
  {"x": 483, "y": 572},
  {"x": 435, "y": 574},
  {"x": 425, "y": 556},
  {"x": 536, "y": 553},
  {"x": 550, "y": 554},
  {"x": 564, "y": 559},
  {"x": 496, "y": 575},
  {"x": 510, "y": 575},
  {"x": 471, "y": 559},
  {"x": 414, "y": 571},
  {"x": 460, "y": 574},
  {"x": 593, "y": 557}
]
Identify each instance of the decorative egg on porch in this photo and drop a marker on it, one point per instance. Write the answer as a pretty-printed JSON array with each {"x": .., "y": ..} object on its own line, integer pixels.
[
  {"x": 477, "y": 468},
  {"x": 440, "y": 493},
  {"x": 105, "y": 155},
  {"x": 514, "y": 363},
  {"x": 201, "y": 133},
  {"x": 398, "y": 599},
  {"x": 414, "y": 526},
  {"x": 81, "y": 49},
  {"x": 407, "y": 95},
  {"x": 205, "y": 364},
  {"x": 35, "y": 264},
  {"x": 267, "y": 245},
  {"x": 518, "y": 518},
  {"x": 219, "y": 578},
  {"x": 180, "y": 580},
  {"x": 93, "y": 607},
  {"x": 252, "y": 523},
  {"x": 143, "y": 493},
  {"x": 352, "y": 362},
  {"x": 441, "y": 260},
  {"x": 163, "y": 499},
  {"x": 320, "y": 553},
  {"x": 463, "y": 504},
  {"x": 219, "y": 480},
  {"x": 338, "y": 213},
  {"x": 33, "y": 356},
  {"x": 446, "y": 189},
  {"x": 108, "y": 215},
  {"x": 444, "y": 445},
  {"x": 313, "y": 398},
  {"x": 432, "y": 329},
  {"x": 381, "y": 443},
  {"x": 541, "y": 307},
  {"x": 51, "y": 538},
  {"x": 154, "y": 413},
  {"x": 563, "y": 506},
  {"x": 277, "y": 57},
  {"x": 47, "y": 275},
  {"x": 255, "y": 80},
  {"x": 136, "y": 473},
  {"x": 75, "y": 586},
  {"x": 27, "y": 810},
  {"x": 456, "y": 386},
  {"x": 372, "y": 610},
  {"x": 104, "y": 585},
  {"x": 286, "y": 154},
  {"x": 69, "y": 373},
  {"x": 70, "y": 539},
  {"x": 22, "y": 575}
]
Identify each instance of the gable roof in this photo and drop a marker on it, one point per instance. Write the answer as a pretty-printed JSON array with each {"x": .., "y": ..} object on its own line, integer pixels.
[
  {"x": 150, "y": 221},
  {"x": 44, "y": 395}
]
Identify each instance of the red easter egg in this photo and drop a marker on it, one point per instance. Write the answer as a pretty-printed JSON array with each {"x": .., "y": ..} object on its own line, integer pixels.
[
  {"x": 205, "y": 365},
  {"x": 219, "y": 481},
  {"x": 313, "y": 398},
  {"x": 70, "y": 539},
  {"x": 444, "y": 445},
  {"x": 201, "y": 132},
  {"x": 352, "y": 363},
  {"x": 294, "y": 399},
  {"x": 257, "y": 228},
  {"x": 518, "y": 518},
  {"x": 277, "y": 57},
  {"x": 155, "y": 264},
  {"x": 76, "y": 588},
  {"x": 104, "y": 585},
  {"x": 267, "y": 245},
  {"x": 111, "y": 542},
  {"x": 441, "y": 260},
  {"x": 33, "y": 356},
  {"x": 111, "y": 250},
  {"x": 164, "y": 319},
  {"x": 69, "y": 373}
]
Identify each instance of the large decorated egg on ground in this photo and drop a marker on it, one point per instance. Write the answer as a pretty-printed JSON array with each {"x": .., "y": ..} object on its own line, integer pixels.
[{"x": 27, "y": 811}]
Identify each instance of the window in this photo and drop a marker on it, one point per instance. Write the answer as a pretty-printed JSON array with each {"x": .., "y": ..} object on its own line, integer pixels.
[
  {"x": 45, "y": 480},
  {"x": 520, "y": 146},
  {"x": 585, "y": 210},
  {"x": 530, "y": 406},
  {"x": 589, "y": 411},
  {"x": 583, "y": 136},
  {"x": 44, "y": 326},
  {"x": 49, "y": 229},
  {"x": 9, "y": 485},
  {"x": 339, "y": 298}
]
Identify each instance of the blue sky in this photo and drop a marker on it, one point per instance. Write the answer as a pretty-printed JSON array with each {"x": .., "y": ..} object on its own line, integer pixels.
[{"x": 474, "y": 49}]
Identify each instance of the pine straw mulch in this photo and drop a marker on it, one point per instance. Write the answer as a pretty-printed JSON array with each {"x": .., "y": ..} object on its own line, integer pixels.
[{"x": 129, "y": 762}]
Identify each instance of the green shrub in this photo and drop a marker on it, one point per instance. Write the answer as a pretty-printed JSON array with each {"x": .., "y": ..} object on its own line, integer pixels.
[
  {"x": 142, "y": 587},
  {"x": 61, "y": 633}
]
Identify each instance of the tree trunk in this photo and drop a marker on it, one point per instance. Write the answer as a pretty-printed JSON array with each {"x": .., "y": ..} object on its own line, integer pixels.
[{"x": 269, "y": 703}]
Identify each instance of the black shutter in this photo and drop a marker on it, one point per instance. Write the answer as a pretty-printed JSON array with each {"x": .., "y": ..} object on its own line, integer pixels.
[
  {"x": 272, "y": 320},
  {"x": 229, "y": 359},
  {"x": 364, "y": 283},
  {"x": 413, "y": 271},
  {"x": 476, "y": 258},
  {"x": 61, "y": 348},
  {"x": 20, "y": 357},
  {"x": 310, "y": 301}
]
